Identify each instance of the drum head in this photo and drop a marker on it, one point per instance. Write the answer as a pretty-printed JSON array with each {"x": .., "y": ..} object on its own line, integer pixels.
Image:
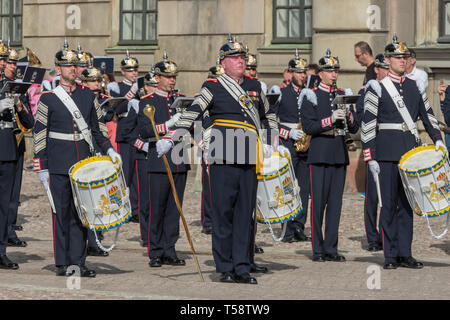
[
  {"x": 421, "y": 160},
  {"x": 273, "y": 166},
  {"x": 94, "y": 171}
]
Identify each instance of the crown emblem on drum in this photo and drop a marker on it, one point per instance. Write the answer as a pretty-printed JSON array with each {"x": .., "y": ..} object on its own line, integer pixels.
[{"x": 442, "y": 177}]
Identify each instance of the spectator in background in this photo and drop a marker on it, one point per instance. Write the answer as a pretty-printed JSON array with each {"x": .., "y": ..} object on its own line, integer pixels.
[
  {"x": 364, "y": 56},
  {"x": 312, "y": 77},
  {"x": 418, "y": 75},
  {"x": 312, "y": 69}
]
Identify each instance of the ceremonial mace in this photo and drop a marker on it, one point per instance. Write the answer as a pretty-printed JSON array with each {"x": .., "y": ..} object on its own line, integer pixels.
[{"x": 149, "y": 111}]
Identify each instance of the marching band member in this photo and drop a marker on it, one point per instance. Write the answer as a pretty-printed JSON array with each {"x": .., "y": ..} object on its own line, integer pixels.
[
  {"x": 66, "y": 122},
  {"x": 150, "y": 86},
  {"x": 232, "y": 170},
  {"x": 10, "y": 159},
  {"x": 13, "y": 239},
  {"x": 126, "y": 125},
  {"x": 85, "y": 60},
  {"x": 327, "y": 157},
  {"x": 373, "y": 234},
  {"x": 164, "y": 218},
  {"x": 206, "y": 209},
  {"x": 288, "y": 114},
  {"x": 91, "y": 78},
  {"x": 250, "y": 70},
  {"x": 389, "y": 131}
]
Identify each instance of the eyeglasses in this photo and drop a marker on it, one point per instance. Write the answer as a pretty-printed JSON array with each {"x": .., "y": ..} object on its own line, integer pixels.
[{"x": 358, "y": 55}]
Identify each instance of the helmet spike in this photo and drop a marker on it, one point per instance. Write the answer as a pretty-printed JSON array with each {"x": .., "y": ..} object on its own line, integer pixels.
[
  {"x": 230, "y": 39},
  {"x": 394, "y": 38},
  {"x": 165, "y": 57},
  {"x": 328, "y": 53},
  {"x": 66, "y": 44}
]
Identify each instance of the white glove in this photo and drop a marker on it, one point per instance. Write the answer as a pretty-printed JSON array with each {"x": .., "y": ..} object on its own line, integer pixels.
[
  {"x": 171, "y": 122},
  {"x": 439, "y": 143},
  {"x": 284, "y": 151},
  {"x": 337, "y": 114},
  {"x": 295, "y": 134},
  {"x": 114, "y": 156},
  {"x": 133, "y": 103},
  {"x": 6, "y": 103},
  {"x": 267, "y": 150},
  {"x": 44, "y": 176},
  {"x": 374, "y": 167},
  {"x": 163, "y": 146},
  {"x": 113, "y": 87},
  {"x": 145, "y": 147}
]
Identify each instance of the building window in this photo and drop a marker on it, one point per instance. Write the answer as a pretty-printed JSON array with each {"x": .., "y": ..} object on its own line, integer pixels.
[
  {"x": 292, "y": 21},
  {"x": 11, "y": 21},
  {"x": 444, "y": 20},
  {"x": 138, "y": 21}
]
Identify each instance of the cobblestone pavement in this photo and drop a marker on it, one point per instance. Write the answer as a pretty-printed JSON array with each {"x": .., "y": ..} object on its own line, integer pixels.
[{"x": 125, "y": 274}]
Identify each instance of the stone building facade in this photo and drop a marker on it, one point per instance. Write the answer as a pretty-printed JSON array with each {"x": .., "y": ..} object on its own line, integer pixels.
[{"x": 192, "y": 31}]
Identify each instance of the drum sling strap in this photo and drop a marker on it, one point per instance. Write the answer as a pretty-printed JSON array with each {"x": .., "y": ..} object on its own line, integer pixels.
[
  {"x": 401, "y": 107},
  {"x": 76, "y": 114},
  {"x": 238, "y": 94}
]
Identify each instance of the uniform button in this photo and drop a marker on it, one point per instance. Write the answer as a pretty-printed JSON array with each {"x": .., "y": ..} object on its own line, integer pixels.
[{"x": 245, "y": 115}]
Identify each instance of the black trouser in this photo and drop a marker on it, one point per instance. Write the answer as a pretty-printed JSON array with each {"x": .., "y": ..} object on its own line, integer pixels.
[
  {"x": 233, "y": 191},
  {"x": 327, "y": 188},
  {"x": 371, "y": 210},
  {"x": 396, "y": 214},
  {"x": 301, "y": 170},
  {"x": 206, "y": 196},
  {"x": 69, "y": 235},
  {"x": 15, "y": 198},
  {"x": 7, "y": 174},
  {"x": 143, "y": 197},
  {"x": 164, "y": 218},
  {"x": 128, "y": 155}
]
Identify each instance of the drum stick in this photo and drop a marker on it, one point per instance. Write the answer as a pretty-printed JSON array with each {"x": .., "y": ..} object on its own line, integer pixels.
[
  {"x": 50, "y": 198},
  {"x": 377, "y": 183},
  {"x": 149, "y": 111}
]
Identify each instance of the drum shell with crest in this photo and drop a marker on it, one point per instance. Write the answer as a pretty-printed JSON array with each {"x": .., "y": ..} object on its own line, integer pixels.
[
  {"x": 425, "y": 175},
  {"x": 278, "y": 193},
  {"x": 100, "y": 193}
]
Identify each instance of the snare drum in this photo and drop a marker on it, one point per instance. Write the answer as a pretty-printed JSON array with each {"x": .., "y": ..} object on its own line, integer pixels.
[
  {"x": 425, "y": 174},
  {"x": 100, "y": 193},
  {"x": 278, "y": 194}
]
